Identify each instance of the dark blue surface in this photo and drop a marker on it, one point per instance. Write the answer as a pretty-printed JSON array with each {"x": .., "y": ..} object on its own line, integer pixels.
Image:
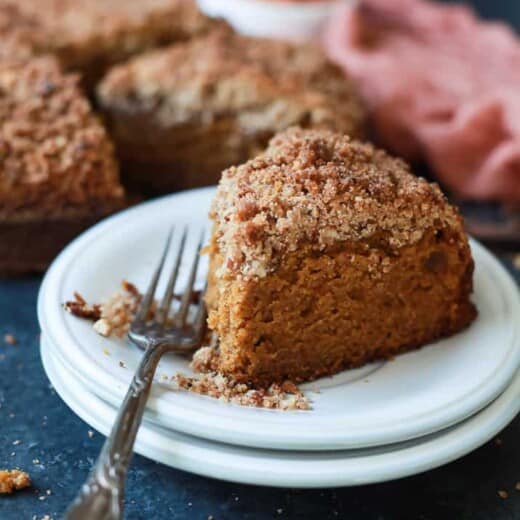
[{"x": 32, "y": 413}]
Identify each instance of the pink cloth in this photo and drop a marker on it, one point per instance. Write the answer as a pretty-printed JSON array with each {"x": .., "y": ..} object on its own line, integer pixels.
[{"x": 441, "y": 86}]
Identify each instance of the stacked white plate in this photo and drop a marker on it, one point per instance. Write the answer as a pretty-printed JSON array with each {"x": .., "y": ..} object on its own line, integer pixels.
[{"x": 380, "y": 422}]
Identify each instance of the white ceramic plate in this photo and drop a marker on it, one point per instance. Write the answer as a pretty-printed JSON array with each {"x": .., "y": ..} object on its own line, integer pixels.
[
  {"x": 290, "y": 468},
  {"x": 416, "y": 394},
  {"x": 265, "y": 18}
]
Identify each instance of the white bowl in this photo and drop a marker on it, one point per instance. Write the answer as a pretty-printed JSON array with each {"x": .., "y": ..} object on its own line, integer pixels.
[{"x": 294, "y": 21}]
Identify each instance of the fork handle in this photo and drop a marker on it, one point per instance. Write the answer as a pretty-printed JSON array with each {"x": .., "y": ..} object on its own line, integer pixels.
[{"x": 101, "y": 496}]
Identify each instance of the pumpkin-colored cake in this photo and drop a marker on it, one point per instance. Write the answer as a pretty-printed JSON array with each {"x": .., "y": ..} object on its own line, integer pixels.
[{"x": 327, "y": 253}]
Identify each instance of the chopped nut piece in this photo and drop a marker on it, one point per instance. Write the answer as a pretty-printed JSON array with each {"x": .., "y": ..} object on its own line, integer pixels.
[
  {"x": 80, "y": 308},
  {"x": 13, "y": 480}
]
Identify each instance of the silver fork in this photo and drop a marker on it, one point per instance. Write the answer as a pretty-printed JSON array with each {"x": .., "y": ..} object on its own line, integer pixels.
[{"x": 101, "y": 497}]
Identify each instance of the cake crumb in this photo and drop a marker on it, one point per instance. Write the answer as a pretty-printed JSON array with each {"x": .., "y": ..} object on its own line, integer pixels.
[
  {"x": 80, "y": 308},
  {"x": 224, "y": 388},
  {"x": 13, "y": 480},
  {"x": 122, "y": 364},
  {"x": 503, "y": 494},
  {"x": 112, "y": 317},
  {"x": 90, "y": 434},
  {"x": 102, "y": 327},
  {"x": 9, "y": 339}
]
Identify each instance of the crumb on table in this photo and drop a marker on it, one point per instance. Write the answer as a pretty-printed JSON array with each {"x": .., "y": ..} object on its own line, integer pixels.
[
  {"x": 13, "y": 480},
  {"x": 9, "y": 339}
]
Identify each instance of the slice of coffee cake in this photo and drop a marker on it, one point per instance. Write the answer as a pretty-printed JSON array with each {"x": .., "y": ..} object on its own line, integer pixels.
[{"x": 327, "y": 253}]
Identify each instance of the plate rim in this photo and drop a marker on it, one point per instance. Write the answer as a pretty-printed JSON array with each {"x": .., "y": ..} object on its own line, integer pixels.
[
  {"x": 305, "y": 470},
  {"x": 196, "y": 423}
]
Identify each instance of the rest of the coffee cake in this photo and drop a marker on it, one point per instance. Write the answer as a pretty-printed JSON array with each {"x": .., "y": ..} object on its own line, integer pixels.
[
  {"x": 182, "y": 114},
  {"x": 58, "y": 172},
  {"x": 91, "y": 35},
  {"x": 327, "y": 253}
]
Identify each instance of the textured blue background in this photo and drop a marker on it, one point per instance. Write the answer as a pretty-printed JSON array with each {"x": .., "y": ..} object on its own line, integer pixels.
[{"x": 32, "y": 413}]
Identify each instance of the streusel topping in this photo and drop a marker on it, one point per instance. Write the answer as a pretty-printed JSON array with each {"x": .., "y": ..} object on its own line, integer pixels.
[
  {"x": 264, "y": 82},
  {"x": 70, "y": 28},
  {"x": 320, "y": 188},
  {"x": 54, "y": 153}
]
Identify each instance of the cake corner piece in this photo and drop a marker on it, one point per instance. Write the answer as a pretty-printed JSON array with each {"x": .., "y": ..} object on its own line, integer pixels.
[
  {"x": 58, "y": 171},
  {"x": 327, "y": 253}
]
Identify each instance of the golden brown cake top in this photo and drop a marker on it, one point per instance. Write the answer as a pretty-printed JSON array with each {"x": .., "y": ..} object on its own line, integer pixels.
[
  {"x": 265, "y": 82},
  {"x": 321, "y": 189},
  {"x": 54, "y": 153},
  {"x": 74, "y": 28}
]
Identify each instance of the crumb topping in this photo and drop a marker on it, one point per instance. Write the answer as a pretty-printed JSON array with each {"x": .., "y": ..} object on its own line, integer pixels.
[
  {"x": 321, "y": 189},
  {"x": 13, "y": 480},
  {"x": 78, "y": 32},
  {"x": 54, "y": 153},
  {"x": 269, "y": 84}
]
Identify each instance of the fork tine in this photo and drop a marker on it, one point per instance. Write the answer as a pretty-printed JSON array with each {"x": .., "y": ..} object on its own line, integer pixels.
[
  {"x": 162, "y": 312},
  {"x": 180, "y": 317},
  {"x": 147, "y": 300},
  {"x": 200, "y": 318}
]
